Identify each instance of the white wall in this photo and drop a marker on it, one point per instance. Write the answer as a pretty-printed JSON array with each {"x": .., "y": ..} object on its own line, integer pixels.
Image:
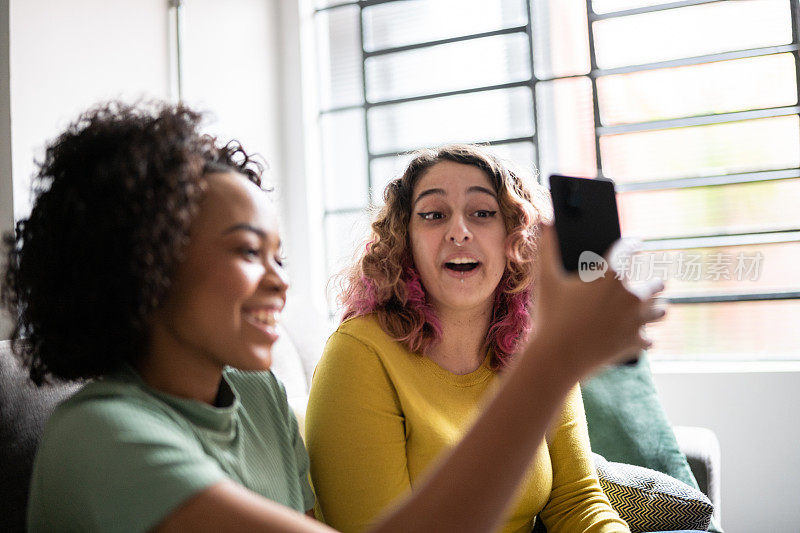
[
  {"x": 756, "y": 416},
  {"x": 65, "y": 56},
  {"x": 230, "y": 70}
]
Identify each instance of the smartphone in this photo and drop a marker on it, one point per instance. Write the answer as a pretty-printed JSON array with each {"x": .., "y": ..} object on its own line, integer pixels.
[
  {"x": 586, "y": 220},
  {"x": 586, "y": 217}
]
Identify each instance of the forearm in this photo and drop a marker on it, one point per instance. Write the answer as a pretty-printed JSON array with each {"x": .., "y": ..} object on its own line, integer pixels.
[
  {"x": 228, "y": 506},
  {"x": 457, "y": 495}
]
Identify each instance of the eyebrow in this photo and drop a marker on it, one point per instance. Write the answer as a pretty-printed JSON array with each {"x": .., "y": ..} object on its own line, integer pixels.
[
  {"x": 246, "y": 227},
  {"x": 441, "y": 192}
]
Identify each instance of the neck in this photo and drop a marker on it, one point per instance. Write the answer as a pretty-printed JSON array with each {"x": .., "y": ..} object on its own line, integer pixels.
[
  {"x": 168, "y": 366},
  {"x": 461, "y": 349}
]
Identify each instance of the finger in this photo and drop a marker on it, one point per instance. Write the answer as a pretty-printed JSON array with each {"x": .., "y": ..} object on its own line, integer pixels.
[
  {"x": 652, "y": 311},
  {"x": 645, "y": 290}
]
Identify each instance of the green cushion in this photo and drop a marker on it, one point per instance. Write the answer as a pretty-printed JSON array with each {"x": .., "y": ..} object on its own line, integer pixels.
[{"x": 627, "y": 423}]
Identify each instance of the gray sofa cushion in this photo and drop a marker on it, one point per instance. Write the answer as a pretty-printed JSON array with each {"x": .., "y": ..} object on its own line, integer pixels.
[{"x": 24, "y": 409}]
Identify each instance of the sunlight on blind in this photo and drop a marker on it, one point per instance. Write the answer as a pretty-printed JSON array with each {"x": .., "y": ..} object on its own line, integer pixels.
[
  {"x": 705, "y": 89},
  {"x": 698, "y": 124},
  {"x": 760, "y": 144},
  {"x": 414, "y": 21},
  {"x": 692, "y": 31},
  {"x": 474, "y": 117},
  {"x": 729, "y": 331}
]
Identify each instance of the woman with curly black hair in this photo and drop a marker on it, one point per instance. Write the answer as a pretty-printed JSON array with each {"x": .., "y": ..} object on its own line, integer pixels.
[{"x": 151, "y": 266}]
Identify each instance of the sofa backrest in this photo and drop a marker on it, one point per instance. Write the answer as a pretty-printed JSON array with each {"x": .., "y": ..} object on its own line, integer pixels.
[{"x": 24, "y": 408}]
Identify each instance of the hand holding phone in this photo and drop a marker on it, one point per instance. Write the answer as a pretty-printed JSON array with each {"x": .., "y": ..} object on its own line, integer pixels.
[{"x": 586, "y": 224}]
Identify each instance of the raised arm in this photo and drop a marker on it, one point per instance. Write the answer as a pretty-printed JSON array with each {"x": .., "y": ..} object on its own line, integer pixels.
[{"x": 579, "y": 327}]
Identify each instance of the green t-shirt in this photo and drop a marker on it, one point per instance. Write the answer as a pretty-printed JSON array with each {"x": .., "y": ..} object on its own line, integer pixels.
[{"x": 120, "y": 456}]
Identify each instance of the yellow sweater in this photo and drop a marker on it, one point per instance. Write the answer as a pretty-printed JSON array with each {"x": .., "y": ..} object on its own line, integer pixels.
[{"x": 378, "y": 416}]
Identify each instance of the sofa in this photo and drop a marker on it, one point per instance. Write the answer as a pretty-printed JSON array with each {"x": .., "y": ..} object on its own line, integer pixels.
[{"x": 24, "y": 409}]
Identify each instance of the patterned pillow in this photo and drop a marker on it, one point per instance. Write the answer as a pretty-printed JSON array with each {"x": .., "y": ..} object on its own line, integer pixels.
[{"x": 651, "y": 501}]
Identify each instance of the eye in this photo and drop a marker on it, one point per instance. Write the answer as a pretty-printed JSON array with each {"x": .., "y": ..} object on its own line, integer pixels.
[
  {"x": 484, "y": 213},
  {"x": 431, "y": 215},
  {"x": 250, "y": 253},
  {"x": 280, "y": 259}
]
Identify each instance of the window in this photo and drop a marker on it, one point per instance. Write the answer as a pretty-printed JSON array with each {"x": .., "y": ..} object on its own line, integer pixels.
[{"x": 690, "y": 106}]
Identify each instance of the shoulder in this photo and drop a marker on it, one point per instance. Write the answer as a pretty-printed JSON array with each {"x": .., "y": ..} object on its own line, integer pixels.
[
  {"x": 354, "y": 377},
  {"x": 107, "y": 404},
  {"x": 357, "y": 343},
  {"x": 357, "y": 356},
  {"x": 364, "y": 331},
  {"x": 104, "y": 429},
  {"x": 105, "y": 413},
  {"x": 120, "y": 454},
  {"x": 364, "y": 327}
]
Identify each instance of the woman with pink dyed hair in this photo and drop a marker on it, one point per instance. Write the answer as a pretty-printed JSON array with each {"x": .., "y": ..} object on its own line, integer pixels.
[{"x": 434, "y": 310}]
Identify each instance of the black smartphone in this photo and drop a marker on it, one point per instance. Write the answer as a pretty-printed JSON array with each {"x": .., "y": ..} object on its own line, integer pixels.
[
  {"x": 586, "y": 220},
  {"x": 586, "y": 217}
]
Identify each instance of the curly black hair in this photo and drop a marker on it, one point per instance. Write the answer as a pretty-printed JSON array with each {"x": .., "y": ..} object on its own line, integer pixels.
[{"x": 115, "y": 196}]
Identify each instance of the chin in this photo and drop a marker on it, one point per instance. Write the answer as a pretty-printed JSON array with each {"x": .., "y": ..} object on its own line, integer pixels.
[
  {"x": 265, "y": 363},
  {"x": 258, "y": 360}
]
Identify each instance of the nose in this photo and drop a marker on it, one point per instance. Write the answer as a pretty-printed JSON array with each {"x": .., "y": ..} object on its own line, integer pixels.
[
  {"x": 458, "y": 233},
  {"x": 275, "y": 278}
]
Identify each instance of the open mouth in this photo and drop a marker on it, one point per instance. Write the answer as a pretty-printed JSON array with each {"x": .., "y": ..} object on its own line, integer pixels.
[
  {"x": 462, "y": 264},
  {"x": 263, "y": 317}
]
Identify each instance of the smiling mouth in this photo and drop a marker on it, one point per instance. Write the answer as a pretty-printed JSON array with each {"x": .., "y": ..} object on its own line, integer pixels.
[
  {"x": 264, "y": 317},
  {"x": 462, "y": 265}
]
